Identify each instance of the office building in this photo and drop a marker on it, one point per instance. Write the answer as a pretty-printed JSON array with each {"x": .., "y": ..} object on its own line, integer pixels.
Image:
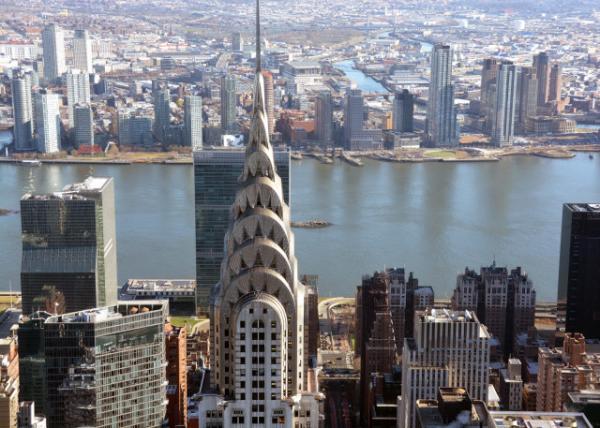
[
  {"x": 69, "y": 242},
  {"x": 134, "y": 127},
  {"x": 503, "y": 301},
  {"x": 32, "y": 360},
  {"x": 84, "y": 125},
  {"x": 228, "y": 103},
  {"x": 301, "y": 76},
  {"x": 47, "y": 131},
  {"x": 9, "y": 382},
  {"x": 579, "y": 270},
  {"x": 403, "y": 113},
  {"x": 237, "y": 44},
  {"x": 106, "y": 366},
  {"x": 489, "y": 74},
  {"x": 53, "y": 45},
  {"x": 555, "y": 84},
  {"x": 78, "y": 91},
  {"x": 503, "y": 130},
  {"x": 354, "y": 113},
  {"x": 162, "y": 111},
  {"x": 376, "y": 339},
  {"x": 82, "y": 51},
  {"x": 541, "y": 64},
  {"x": 22, "y": 111},
  {"x": 259, "y": 364},
  {"x": 324, "y": 118},
  {"x": 175, "y": 350},
  {"x": 311, "y": 322},
  {"x": 216, "y": 172},
  {"x": 565, "y": 370},
  {"x": 449, "y": 348},
  {"x": 193, "y": 121},
  {"x": 441, "y": 125},
  {"x": 269, "y": 100},
  {"x": 526, "y": 98},
  {"x": 511, "y": 386}
]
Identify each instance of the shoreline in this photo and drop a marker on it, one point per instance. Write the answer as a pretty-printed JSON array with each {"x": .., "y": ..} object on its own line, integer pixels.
[{"x": 456, "y": 155}]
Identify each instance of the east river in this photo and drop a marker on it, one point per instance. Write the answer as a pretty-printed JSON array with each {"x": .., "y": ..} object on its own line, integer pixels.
[{"x": 432, "y": 218}]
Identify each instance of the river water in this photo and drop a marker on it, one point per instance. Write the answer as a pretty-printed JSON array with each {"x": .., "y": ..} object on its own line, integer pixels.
[{"x": 433, "y": 218}]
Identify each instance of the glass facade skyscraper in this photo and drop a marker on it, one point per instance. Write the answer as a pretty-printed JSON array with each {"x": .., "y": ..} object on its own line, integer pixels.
[
  {"x": 216, "y": 173},
  {"x": 69, "y": 242},
  {"x": 106, "y": 366}
]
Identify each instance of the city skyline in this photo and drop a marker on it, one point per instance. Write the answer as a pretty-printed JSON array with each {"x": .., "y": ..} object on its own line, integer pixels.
[{"x": 426, "y": 135}]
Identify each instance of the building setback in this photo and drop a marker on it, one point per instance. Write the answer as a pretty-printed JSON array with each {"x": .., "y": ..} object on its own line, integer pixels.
[
  {"x": 450, "y": 348},
  {"x": 69, "y": 242}
]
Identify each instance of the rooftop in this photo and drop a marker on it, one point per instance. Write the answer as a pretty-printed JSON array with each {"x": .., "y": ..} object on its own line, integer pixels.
[
  {"x": 108, "y": 313},
  {"x": 539, "y": 420},
  {"x": 585, "y": 207},
  {"x": 160, "y": 285},
  {"x": 446, "y": 315},
  {"x": 75, "y": 190}
]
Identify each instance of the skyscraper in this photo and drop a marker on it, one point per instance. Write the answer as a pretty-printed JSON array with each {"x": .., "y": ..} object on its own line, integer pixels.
[
  {"x": 441, "y": 115},
  {"x": 162, "y": 110},
  {"x": 506, "y": 104},
  {"x": 228, "y": 103},
  {"x": 541, "y": 63},
  {"x": 106, "y": 366},
  {"x": 84, "y": 125},
  {"x": 526, "y": 98},
  {"x": 193, "y": 121},
  {"x": 579, "y": 270},
  {"x": 53, "y": 45},
  {"x": 257, "y": 309},
  {"x": 82, "y": 51},
  {"x": 403, "y": 113},
  {"x": 353, "y": 115},
  {"x": 69, "y": 242},
  {"x": 237, "y": 44},
  {"x": 377, "y": 340},
  {"x": 504, "y": 301},
  {"x": 555, "y": 84},
  {"x": 215, "y": 184},
  {"x": 78, "y": 91},
  {"x": 489, "y": 74},
  {"x": 449, "y": 349},
  {"x": 324, "y": 118},
  {"x": 47, "y": 121},
  {"x": 22, "y": 111},
  {"x": 269, "y": 100}
]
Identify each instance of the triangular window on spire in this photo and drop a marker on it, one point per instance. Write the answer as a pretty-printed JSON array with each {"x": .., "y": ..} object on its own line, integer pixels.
[{"x": 258, "y": 261}]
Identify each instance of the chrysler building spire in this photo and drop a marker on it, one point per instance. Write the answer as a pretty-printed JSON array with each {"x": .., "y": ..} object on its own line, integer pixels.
[{"x": 257, "y": 309}]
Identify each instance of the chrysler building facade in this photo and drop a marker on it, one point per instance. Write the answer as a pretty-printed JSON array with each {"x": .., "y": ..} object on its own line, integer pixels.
[{"x": 259, "y": 367}]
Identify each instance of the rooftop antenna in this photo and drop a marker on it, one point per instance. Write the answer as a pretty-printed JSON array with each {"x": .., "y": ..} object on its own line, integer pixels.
[{"x": 258, "y": 61}]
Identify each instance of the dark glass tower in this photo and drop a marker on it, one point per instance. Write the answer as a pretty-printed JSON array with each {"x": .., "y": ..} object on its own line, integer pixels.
[
  {"x": 579, "y": 271},
  {"x": 69, "y": 242},
  {"x": 216, "y": 174}
]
